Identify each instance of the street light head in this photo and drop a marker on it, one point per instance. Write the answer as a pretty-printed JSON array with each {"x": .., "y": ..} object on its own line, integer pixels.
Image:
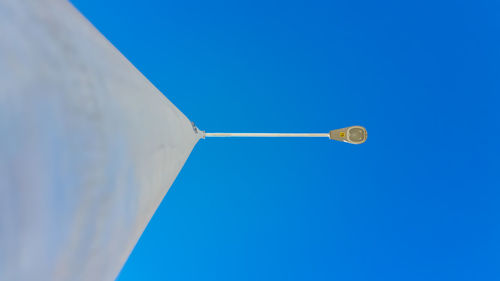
[{"x": 353, "y": 134}]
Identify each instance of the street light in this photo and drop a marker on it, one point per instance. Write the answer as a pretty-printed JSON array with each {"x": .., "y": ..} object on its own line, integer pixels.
[{"x": 353, "y": 134}]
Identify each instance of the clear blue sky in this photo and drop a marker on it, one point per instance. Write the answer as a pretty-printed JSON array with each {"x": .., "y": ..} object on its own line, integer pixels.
[{"x": 418, "y": 201}]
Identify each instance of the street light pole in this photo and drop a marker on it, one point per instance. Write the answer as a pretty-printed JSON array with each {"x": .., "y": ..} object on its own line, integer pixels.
[{"x": 353, "y": 134}]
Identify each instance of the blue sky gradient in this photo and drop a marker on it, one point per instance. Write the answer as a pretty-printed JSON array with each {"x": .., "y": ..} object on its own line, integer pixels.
[{"x": 418, "y": 201}]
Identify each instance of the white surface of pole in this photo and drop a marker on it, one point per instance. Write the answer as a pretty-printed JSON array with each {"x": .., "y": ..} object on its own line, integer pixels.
[{"x": 88, "y": 147}]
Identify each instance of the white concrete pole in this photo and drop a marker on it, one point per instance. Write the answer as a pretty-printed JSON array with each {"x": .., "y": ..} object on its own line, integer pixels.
[{"x": 88, "y": 146}]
